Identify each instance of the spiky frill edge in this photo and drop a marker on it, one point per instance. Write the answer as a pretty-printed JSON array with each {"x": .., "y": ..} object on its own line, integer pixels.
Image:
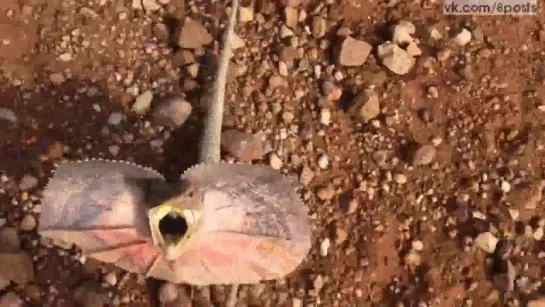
[{"x": 145, "y": 168}]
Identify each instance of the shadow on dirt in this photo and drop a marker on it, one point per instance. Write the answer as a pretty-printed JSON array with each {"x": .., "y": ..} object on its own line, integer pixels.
[{"x": 76, "y": 114}]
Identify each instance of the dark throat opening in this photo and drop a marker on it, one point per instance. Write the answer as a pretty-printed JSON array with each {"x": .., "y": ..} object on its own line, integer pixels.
[{"x": 173, "y": 227}]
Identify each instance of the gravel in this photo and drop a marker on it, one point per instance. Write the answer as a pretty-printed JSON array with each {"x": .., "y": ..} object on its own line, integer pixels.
[
  {"x": 7, "y": 114},
  {"x": 307, "y": 81}
]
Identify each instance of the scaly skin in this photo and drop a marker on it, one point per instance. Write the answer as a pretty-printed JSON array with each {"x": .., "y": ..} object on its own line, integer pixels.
[{"x": 211, "y": 140}]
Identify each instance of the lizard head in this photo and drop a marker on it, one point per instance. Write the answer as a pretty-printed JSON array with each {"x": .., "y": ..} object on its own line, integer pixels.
[{"x": 172, "y": 224}]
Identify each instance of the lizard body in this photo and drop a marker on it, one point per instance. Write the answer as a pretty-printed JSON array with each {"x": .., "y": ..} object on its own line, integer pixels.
[
  {"x": 244, "y": 224},
  {"x": 211, "y": 139}
]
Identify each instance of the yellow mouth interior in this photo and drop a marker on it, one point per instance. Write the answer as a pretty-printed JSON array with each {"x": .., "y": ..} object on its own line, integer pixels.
[{"x": 171, "y": 226}]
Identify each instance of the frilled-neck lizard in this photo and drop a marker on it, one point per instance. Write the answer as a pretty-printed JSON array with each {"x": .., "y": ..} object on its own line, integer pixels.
[{"x": 220, "y": 224}]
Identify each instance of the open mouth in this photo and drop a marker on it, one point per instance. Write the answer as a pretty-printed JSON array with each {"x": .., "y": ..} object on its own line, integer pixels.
[{"x": 173, "y": 227}]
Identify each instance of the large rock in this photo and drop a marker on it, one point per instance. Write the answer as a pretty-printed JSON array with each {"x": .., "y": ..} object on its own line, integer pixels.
[
  {"x": 353, "y": 52},
  {"x": 193, "y": 35},
  {"x": 395, "y": 59}
]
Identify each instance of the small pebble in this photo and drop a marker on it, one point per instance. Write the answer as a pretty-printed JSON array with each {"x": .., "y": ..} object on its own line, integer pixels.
[
  {"x": 288, "y": 117},
  {"x": 353, "y": 206},
  {"x": 65, "y": 57},
  {"x": 417, "y": 245},
  {"x": 413, "y": 49},
  {"x": 325, "y": 117},
  {"x": 340, "y": 235},
  {"x": 463, "y": 37},
  {"x": 111, "y": 279},
  {"x": 436, "y": 141},
  {"x": 173, "y": 112},
  {"x": 115, "y": 118},
  {"x": 424, "y": 155},
  {"x": 505, "y": 186},
  {"x": 324, "y": 247},
  {"x": 275, "y": 162},
  {"x": 413, "y": 258},
  {"x": 291, "y": 17},
  {"x": 325, "y": 193},
  {"x": 514, "y": 213},
  {"x": 28, "y": 223},
  {"x": 114, "y": 150},
  {"x": 538, "y": 234},
  {"x": 443, "y": 55},
  {"x": 237, "y": 42},
  {"x": 401, "y": 32},
  {"x": 150, "y": 5},
  {"x": 323, "y": 161},
  {"x": 319, "y": 26},
  {"x": 318, "y": 283},
  {"x": 57, "y": 78},
  {"x": 400, "y": 178},
  {"x": 7, "y": 114},
  {"x": 283, "y": 69},
  {"x": 55, "y": 150},
  {"x": 193, "y": 70},
  {"x": 28, "y": 182},
  {"x": 487, "y": 242},
  {"x": 435, "y": 34},
  {"x": 285, "y": 32},
  {"x": 306, "y": 176},
  {"x": 245, "y": 14},
  {"x": 143, "y": 103},
  {"x": 297, "y": 302}
]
